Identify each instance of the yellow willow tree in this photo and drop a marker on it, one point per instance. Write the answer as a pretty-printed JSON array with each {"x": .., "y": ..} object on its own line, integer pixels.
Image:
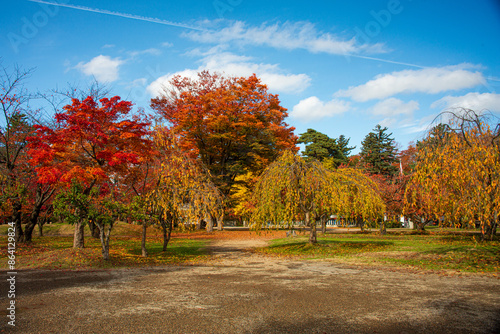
[
  {"x": 458, "y": 172},
  {"x": 292, "y": 189},
  {"x": 183, "y": 191}
]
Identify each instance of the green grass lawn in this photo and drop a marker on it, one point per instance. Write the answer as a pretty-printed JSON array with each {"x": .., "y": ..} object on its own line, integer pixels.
[
  {"x": 55, "y": 250},
  {"x": 438, "y": 250},
  {"x": 450, "y": 251}
]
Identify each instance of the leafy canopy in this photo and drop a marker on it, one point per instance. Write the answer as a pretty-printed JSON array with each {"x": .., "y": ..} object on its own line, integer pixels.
[
  {"x": 233, "y": 125},
  {"x": 291, "y": 187},
  {"x": 457, "y": 175},
  {"x": 183, "y": 189},
  {"x": 91, "y": 142}
]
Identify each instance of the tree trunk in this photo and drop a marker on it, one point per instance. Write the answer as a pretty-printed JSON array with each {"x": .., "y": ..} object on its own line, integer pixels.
[
  {"x": 94, "y": 230},
  {"x": 143, "y": 241},
  {"x": 40, "y": 227},
  {"x": 210, "y": 224},
  {"x": 105, "y": 250},
  {"x": 420, "y": 224},
  {"x": 16, "y": 218},
  {"x": 44, "y": 220},
  {"x": 42, "y": 195},
  {"x": 104, "y": 236},
  {"x": 28, "y": 230},
  {"x": 167, "y": 232},
  {"x": 165, "y": 241},
  {"x": 312, "y": 225},
  {"x": 489, "y": 229},
  {"x": 220, "y": 225},
  {"x": 360, "y": 222},
  {"x": 323, "y": 224},
  {"x": 78, "y": 240},
  {"x": 383, "y": 229},
  {"x": 104, "y": 246}
]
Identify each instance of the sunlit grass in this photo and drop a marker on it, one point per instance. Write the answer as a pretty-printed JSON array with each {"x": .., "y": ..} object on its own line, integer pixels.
[
  {"x": 56, "y": 252},
  {"x": 325, "y": 247},
  {"x": 455, "y": 252},
  {"x": 438, "y": 250}
]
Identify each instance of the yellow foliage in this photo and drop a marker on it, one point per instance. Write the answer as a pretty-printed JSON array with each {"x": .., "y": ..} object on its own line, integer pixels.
[
  {"x": 457, "y": 174},
  {"x": 292, "y": 189},
  {"x": 184, "y": 190}
]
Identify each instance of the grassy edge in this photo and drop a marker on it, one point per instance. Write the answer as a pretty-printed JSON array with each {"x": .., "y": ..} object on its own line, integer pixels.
[{"x": 427, "y": 253}]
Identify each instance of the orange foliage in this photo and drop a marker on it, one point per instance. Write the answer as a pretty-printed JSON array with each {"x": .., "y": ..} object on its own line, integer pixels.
[{"x": 232, "y": 124}]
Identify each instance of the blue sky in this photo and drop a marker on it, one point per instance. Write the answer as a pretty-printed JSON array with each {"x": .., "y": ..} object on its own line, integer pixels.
[{"x": 339, "y": 67}]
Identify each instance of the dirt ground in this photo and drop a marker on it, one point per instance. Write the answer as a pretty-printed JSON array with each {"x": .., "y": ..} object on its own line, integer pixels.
[{"x": 242, "y": 292}]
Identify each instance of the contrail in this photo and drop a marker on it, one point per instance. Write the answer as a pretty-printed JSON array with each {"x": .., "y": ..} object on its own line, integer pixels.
[
  {"x": 125, "y": 15},
  {"x": 490, "y": 78},
  {"x": 386, "y": 61}
]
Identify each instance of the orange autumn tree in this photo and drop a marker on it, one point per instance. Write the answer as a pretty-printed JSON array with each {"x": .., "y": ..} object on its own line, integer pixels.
[
  {"x": 93, "y": 143},
  {"x": 457, "y": 175},
  {"x": 232, "y": 125}
]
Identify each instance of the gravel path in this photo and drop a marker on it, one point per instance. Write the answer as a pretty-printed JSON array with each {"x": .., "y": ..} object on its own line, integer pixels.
[{"x": 242, "y": 292}]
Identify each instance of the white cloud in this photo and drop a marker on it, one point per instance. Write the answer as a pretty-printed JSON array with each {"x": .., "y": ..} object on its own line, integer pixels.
[
  {"x": 235, "y": 65},
  {"x": 475, "y": 101},
  {"x": 387, "y": 122},
  {"x": 141, "y": 82},
  {"x": 393, "y": 107},
  {"x": 313, "y": 108},
  {"x": 150, "y": 51},
  {"x": 103, "y": 68},
  {"x": 418, "y": 128},
  {"x": 428, "y": 80},
  {"x": 157, "y": 87},
  {"x": 167, "y": 44},
  {"x": 410, "y": 126},
  {"x": 288, "y": 36}
]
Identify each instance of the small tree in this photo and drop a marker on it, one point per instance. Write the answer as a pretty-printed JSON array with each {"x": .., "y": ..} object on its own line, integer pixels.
[
  {"x": 105, "y": 211},
  {"x": 72, "y": 206},
  {"x": 182, "y": 189},
  {"x": 99, "y": 206}
]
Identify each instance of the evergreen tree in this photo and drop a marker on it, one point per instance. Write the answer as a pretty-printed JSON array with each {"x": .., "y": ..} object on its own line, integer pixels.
[
  {"x": 378, "y": 152},
  {"x": 321, "y": 147}
]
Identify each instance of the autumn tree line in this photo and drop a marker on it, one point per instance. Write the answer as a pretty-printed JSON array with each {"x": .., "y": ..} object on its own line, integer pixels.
[{"x": 217, "y": 147}]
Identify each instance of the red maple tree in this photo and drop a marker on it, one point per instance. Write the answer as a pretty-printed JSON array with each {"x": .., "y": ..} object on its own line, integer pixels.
[{"x": 92, "y": 143}]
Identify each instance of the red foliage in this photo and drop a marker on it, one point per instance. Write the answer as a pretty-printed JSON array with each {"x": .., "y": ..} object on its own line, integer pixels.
[{"x": 91, "y": 141}]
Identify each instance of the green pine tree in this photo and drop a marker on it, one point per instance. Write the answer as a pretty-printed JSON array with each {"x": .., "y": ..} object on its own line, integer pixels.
[
  {"x": 320, "y": 147},
  {"x": 378, "y": 152}
]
